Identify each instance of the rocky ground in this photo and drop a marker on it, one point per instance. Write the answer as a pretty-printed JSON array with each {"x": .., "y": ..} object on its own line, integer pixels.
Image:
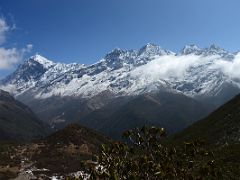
[
  {"x": 69, "y": 152},
  {"x": 25, "y": 162}
]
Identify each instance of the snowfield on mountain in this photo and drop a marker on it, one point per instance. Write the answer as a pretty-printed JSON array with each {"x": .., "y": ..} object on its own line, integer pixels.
[{"x": 193, "y": 72}]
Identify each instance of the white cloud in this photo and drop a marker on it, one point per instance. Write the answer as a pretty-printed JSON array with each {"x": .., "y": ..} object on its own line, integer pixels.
[
  {"x": 29, "y": 47},
  {"x": 10, "y": 56},
  {"x": 170, "y": 66},
  {"x": 230, "y": 68},
  {"x": 9, "y": 88},
  {"x": 4, "y": 28},
  {"x": 165, "y": 67}
]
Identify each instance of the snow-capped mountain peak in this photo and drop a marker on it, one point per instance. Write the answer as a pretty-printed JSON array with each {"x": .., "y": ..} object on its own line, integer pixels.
[
  {"x": 151, "y": 49},
  {"x": 194, "y": 71},
  {"x": 214, "y": 49},
  {"x": 41, "y": 60},
  {"x": 115, "y": 53},
  {"x": 191, "y": 49}
]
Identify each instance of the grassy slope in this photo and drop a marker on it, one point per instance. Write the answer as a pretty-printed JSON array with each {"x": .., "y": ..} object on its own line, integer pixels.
[
  {"x": 18, "y": 122},
  {"x": 223, "y": 125},
  {"x": 221, "y": 133}
]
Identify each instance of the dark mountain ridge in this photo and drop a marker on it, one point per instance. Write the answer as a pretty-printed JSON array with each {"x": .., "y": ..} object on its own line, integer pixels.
[
  {"x": 17, "y": 121},
  {"x": 171, "y": 111},
  {"x": 220, "y": 127}
]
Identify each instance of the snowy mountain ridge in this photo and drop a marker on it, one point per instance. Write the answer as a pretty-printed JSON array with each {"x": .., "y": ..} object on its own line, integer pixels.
[{"x": 193, "y": 72}]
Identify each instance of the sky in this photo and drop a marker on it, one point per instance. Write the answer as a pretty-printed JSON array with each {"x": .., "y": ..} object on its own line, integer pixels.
[{"x": 83, "y": 31}]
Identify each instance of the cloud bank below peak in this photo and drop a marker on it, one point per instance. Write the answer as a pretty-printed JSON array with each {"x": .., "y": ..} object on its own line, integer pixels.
[
  {"x": 230, "y": 68},
  {"x": 178, "y": 67}
]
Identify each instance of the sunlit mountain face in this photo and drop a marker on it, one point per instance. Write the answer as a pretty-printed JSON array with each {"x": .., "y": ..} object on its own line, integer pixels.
[
  {"x": 193, "y": 72},
  {"x": 187, "y": 85}
]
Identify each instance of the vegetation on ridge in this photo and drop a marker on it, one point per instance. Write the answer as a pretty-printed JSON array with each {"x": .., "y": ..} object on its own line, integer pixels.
[{"x": 145, "y": 156}]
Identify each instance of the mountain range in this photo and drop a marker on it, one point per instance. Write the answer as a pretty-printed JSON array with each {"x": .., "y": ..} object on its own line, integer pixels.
[
  {"x": 126, "y": 72},
  {"x": 125, "y": 83}
]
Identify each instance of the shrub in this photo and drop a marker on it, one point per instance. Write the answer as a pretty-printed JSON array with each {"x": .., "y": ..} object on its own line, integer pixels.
[{"x": 145, "y": 156}]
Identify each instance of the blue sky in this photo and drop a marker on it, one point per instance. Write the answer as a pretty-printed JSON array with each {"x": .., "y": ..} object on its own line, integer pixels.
[{"x": 83, "y": 31}]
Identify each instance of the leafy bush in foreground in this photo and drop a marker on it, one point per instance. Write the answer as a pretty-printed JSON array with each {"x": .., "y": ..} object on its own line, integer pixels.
[{"x": 146, "y": 157}]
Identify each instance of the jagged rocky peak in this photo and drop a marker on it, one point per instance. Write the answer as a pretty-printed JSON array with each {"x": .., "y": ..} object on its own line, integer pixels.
[
  {"x": 151, "y": 49},
  {"x": 191, "y": 49},
  {"x": 214, "y": 46},
  {"x": 115, "y": 53},
  {"x": 214, "y": 49},
  {"x": 150, "y": 46},
  {"x": 146, "y": 51},
  {"x": 117, "y": 57},
  {"x": 32, "y": 69},
  {"x": 211, "y": 50},
  {"x": 40, "y": 60}
]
